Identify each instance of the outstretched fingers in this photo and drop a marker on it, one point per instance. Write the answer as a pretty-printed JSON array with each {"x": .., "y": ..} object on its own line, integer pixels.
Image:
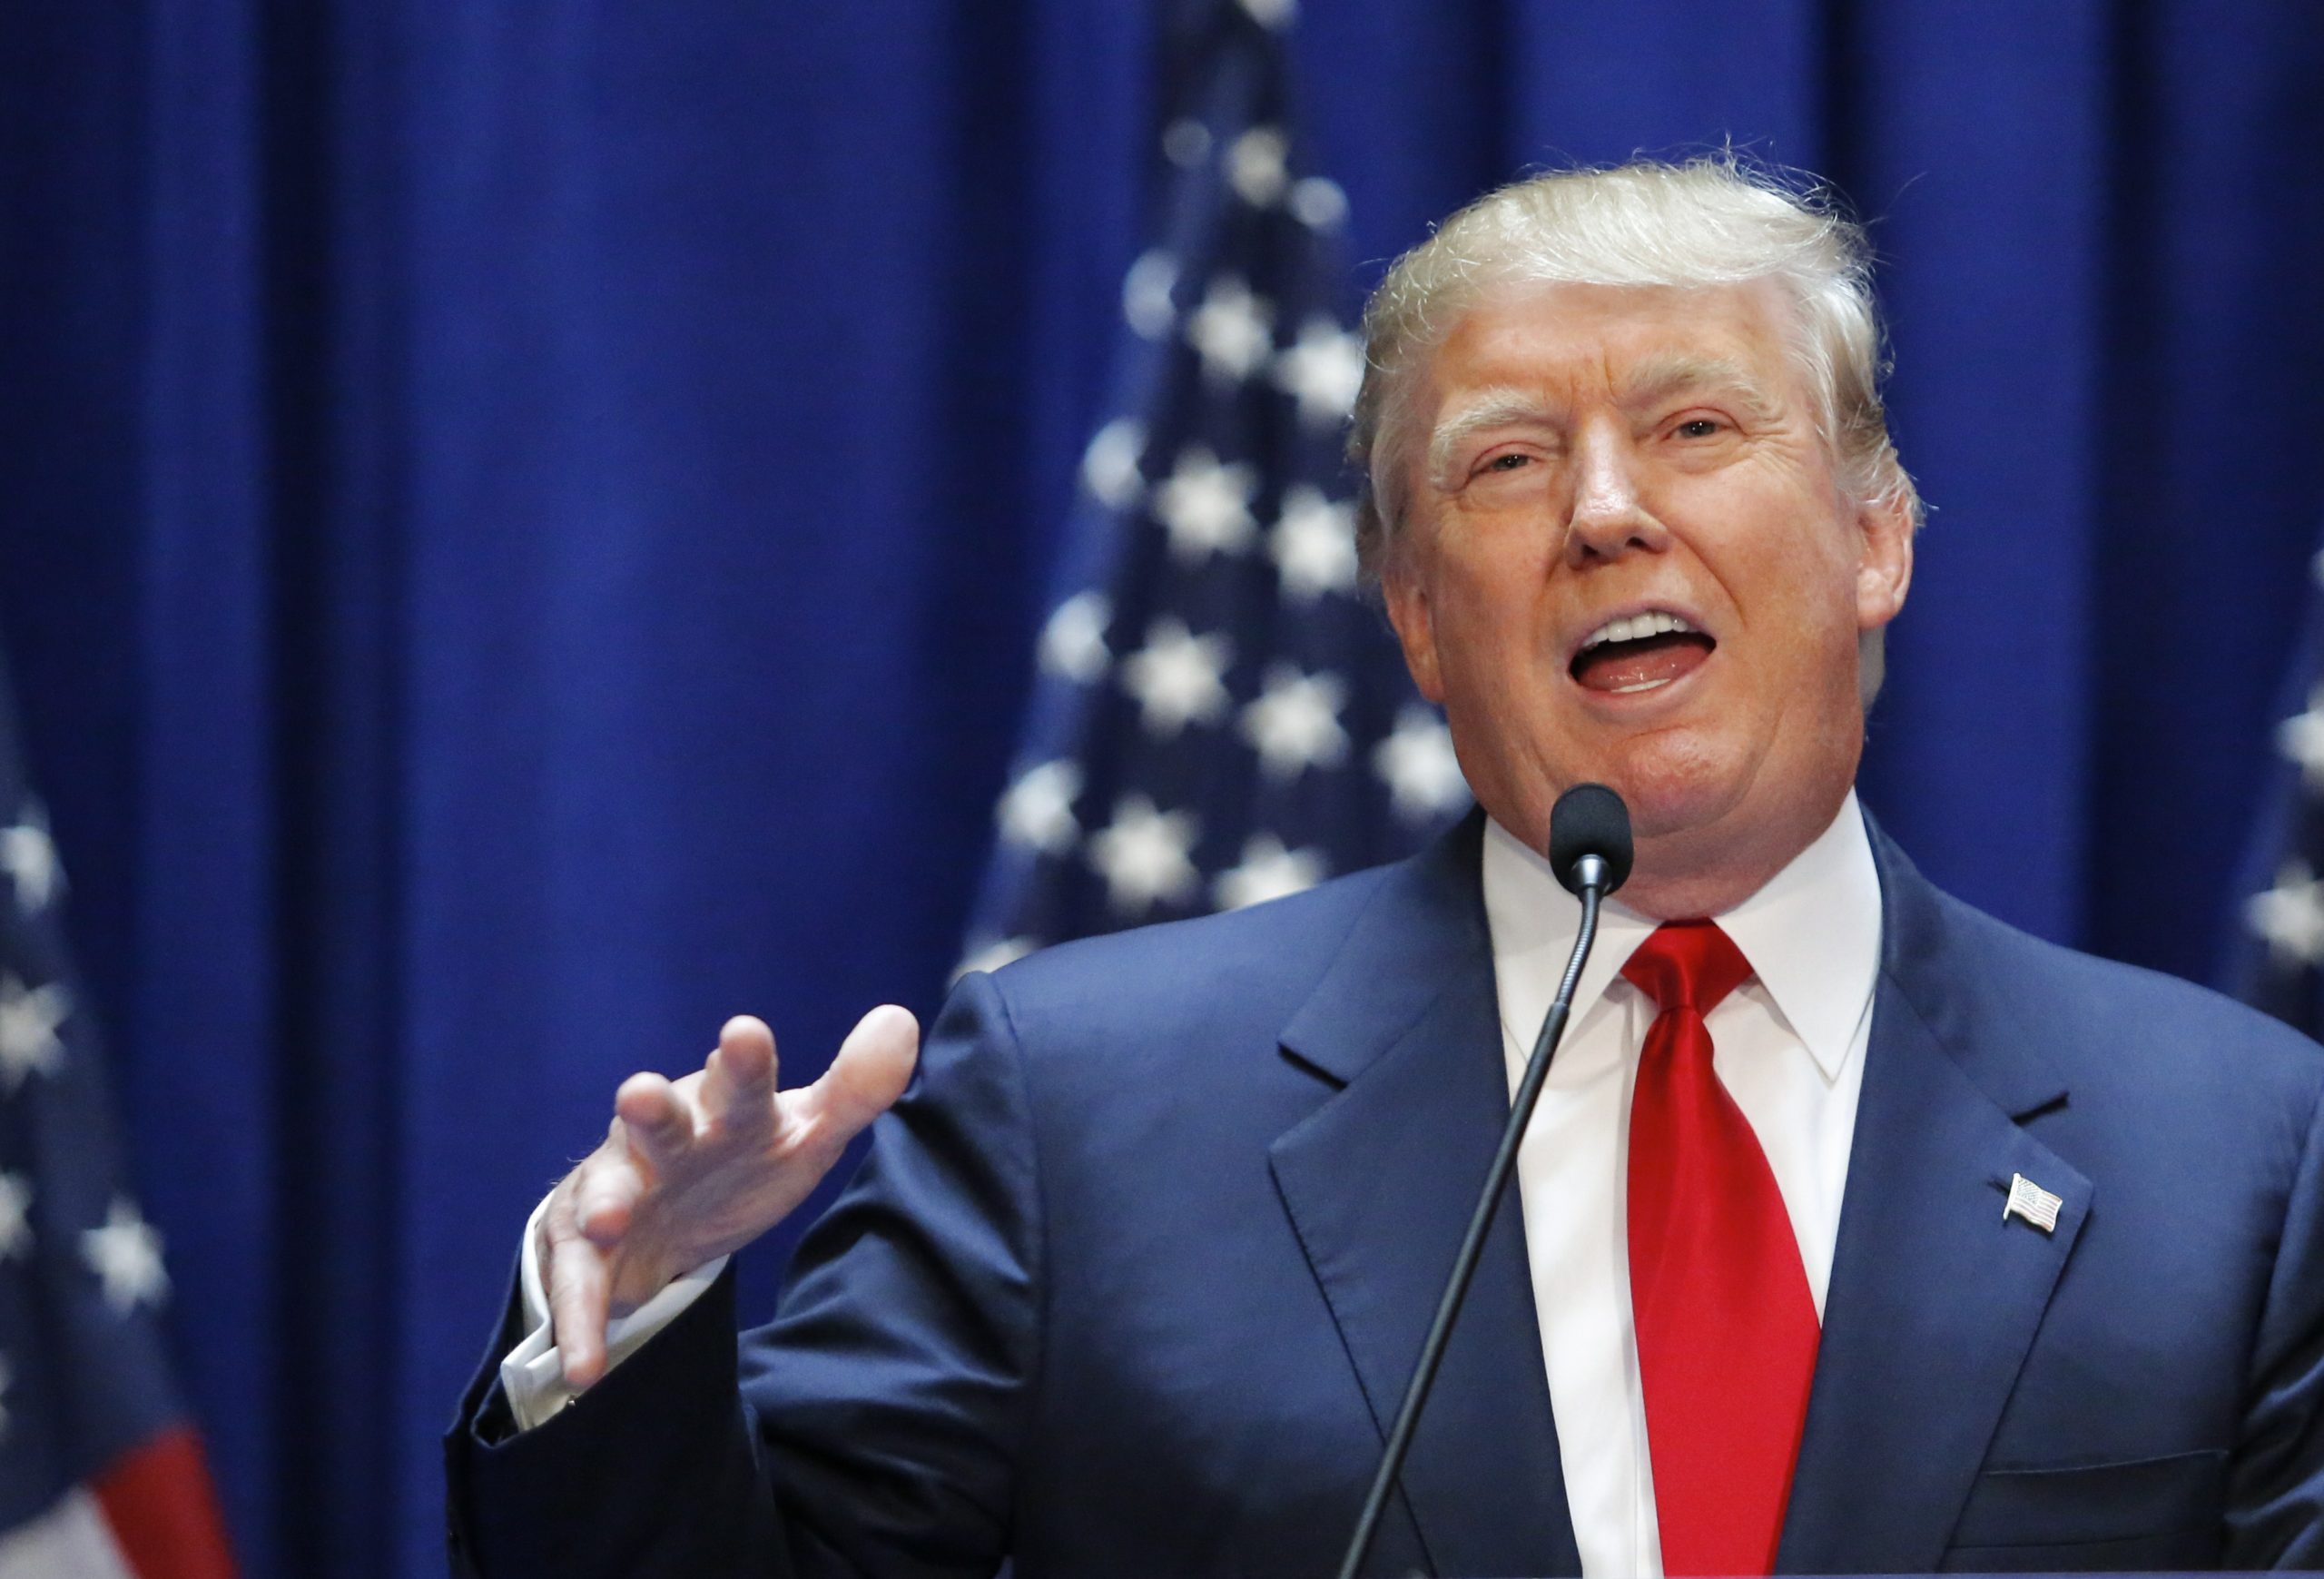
[{"x": 681, "y": 1156}]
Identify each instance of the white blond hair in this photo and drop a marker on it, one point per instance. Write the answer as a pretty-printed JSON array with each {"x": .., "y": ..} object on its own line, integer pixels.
[{"x": 1712, "y": 221}]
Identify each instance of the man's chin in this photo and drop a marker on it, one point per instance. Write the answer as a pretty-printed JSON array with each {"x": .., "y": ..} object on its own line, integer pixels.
[{"x": 1676, "y": 787}]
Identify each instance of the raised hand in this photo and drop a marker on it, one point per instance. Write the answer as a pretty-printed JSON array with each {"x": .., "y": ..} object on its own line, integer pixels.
[{"x": 695, "y": 1167}]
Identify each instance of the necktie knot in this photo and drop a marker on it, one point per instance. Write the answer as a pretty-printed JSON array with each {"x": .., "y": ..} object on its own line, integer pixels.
[{"x": 1687, "y": 965}]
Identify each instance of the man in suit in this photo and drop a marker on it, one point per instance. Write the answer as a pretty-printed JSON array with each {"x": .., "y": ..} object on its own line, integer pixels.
[{"x": 1857, "y": 1232}]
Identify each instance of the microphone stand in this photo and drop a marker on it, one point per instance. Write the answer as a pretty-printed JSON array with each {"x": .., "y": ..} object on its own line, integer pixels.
[{"x": 1592, "y": 874}]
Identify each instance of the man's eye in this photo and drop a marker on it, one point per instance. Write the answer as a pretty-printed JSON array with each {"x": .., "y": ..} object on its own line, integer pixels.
[
  {"x": 1698, "y": 428},
  {"x": 1509, "y": 462}
]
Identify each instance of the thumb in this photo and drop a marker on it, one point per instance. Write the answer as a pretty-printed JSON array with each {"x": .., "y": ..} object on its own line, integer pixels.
[{"x": 873, "y": 1066}]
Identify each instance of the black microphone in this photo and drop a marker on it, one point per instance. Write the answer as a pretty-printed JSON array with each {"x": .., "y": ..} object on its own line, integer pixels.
[
  {"x": 1590, "y": 822},
  {"x": 1589, "y": 851}
]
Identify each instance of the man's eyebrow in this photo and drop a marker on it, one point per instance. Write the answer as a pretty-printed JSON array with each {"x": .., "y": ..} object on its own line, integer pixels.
[
  {"x": 1488, "y": 408},
  {"x": 1657, "y": 377}
]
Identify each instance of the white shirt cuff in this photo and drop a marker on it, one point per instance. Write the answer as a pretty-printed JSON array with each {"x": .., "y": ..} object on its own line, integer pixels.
[{"x": 533, "y": 1373}]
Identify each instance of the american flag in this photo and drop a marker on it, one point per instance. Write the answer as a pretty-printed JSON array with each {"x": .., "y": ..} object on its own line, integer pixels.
[
  {"x": 100, "y": 1476},
  {"x": 1221, "y": 715},
  {"x": 2276, "y": 958}
]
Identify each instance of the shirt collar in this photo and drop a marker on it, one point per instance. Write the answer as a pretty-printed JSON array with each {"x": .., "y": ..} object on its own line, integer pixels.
[{"x": 1812, "y": 934}]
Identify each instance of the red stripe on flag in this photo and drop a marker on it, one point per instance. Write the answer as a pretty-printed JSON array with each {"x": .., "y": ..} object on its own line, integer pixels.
[{"x": 158, "y": 1499}]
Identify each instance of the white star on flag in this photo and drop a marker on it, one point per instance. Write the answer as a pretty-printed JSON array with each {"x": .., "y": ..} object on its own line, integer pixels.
[
  {"x": 16, "y": 1218},
  {"x": 1295, "y": 724},
  {"x": 1146, "y": 856},
  {"x": 1314, "y": 544},
  {"x": 126, "y": 1256},
  {"x": 1186, "y": 142},
  {"x": 1322, "y": 370},
  {"x": 1269, "y": 871},
  {"x": 1318, "y": 203},
  {"x": 1272, "y": 13},
  {"x": 992, "y": 956},
  {"x": 2291, "y": 916},
  {"x": 2302, "y": 740},
  {"x": 1177, "y": 678},
  {"x": 1418, "y": 766},
  {"x": 1110, "y": 467},
  {"x": 1037, "y": 811},
  {"x": 29, "y": 856},
  {"x": 1148, "y": 301},
  {"x": 1256, "y": 167},
  {"x": 1073, "y": 642},
  {"x": 29, "y": 1019},
  {"x": 1205, "y": 506},
  {"x": 1233, "y": 329}
]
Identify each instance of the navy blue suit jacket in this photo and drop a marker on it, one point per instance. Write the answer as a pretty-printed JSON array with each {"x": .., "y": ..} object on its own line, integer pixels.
[{"x": 1138, "y": 1267}]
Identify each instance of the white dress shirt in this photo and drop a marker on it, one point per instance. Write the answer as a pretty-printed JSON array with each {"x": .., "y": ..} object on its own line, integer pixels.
[{"x": 1789, "y": 1046}]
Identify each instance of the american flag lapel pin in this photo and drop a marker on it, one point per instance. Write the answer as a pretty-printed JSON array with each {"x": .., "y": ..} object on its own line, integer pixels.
[{"x": 2029, "y": 1200}]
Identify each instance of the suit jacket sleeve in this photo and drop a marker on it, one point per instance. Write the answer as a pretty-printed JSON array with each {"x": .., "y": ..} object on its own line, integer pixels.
[
  {"x": 2275, "y": 1515},
  {"x": 874, "y": 1428}
]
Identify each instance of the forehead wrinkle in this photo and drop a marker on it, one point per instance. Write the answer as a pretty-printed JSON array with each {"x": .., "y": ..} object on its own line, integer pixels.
[{"x": 1496, "y": 407}]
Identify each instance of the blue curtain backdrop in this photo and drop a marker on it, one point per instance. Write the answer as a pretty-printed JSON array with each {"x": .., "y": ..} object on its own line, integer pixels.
[{"x": 521, "y": 529}]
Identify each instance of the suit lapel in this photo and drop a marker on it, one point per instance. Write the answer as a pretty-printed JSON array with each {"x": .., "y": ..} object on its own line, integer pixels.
[
  {"x": 1379, "y": 1182},
  {"x": 1935, "y": 1298}
]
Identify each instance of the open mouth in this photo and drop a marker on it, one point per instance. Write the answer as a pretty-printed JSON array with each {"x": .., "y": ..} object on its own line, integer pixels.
[{"x": 1643, "y": 652}]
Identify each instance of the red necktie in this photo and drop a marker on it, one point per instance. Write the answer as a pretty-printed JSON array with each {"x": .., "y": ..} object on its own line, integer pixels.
[{"x": 1727, "y": 1331}]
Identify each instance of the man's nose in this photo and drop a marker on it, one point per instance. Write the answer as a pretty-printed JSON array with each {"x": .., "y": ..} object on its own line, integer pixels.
[{"x": 1611, "y": 518}]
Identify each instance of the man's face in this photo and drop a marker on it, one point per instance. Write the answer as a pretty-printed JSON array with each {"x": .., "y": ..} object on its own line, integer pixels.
[{"x": 1615, "y": 462}]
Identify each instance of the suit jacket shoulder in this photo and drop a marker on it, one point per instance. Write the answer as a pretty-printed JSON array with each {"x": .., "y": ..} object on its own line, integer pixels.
[
  {"x": 1240, "y": 967},
  {"x": 2115, "y": 1040}
]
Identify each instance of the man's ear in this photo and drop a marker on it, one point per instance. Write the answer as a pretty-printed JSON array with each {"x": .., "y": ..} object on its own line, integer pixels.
[
  {"x": 1885, "y": 570},
  {"x": 1405, "y": 594}
]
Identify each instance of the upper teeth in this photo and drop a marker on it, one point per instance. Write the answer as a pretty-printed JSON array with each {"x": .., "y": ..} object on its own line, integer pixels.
[{"x": 1636, "y": 627}]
